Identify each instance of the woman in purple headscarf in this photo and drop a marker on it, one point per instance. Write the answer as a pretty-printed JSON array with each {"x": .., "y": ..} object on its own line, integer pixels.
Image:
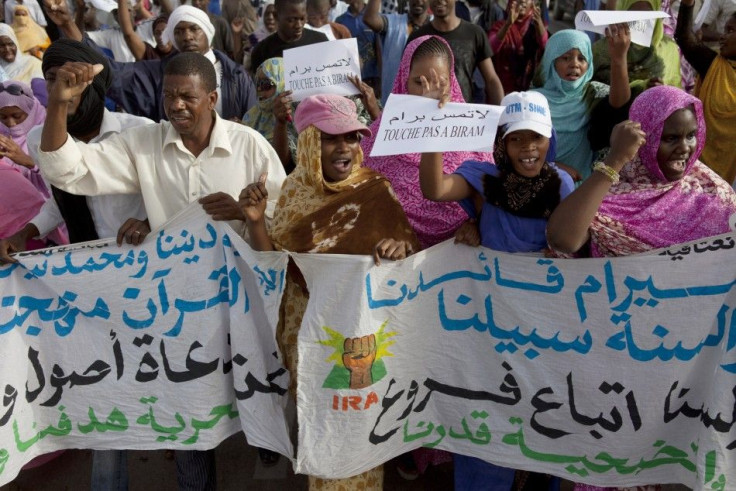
[
  {"x": 19, "y": 112},
  {"x": 432, "y": 221},
  {"x": 651, "y": 191}
]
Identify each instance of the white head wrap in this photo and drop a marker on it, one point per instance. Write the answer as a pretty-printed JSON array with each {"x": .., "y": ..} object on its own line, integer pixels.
[
  {"x": 6, "y": 30},
  {"x": 187, "y": 13}
]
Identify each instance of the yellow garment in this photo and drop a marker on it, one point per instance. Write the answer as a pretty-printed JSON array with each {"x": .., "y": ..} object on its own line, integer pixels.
[
  {"x": 306, "y": 190},
  {"x": 29, "y": 34},
  {"x": 718, "y": 93}
]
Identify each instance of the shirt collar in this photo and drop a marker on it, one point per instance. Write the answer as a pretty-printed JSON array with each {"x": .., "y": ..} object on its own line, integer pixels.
[
  {"x": 110, "y": 124},
  {"x": 218, "y": 139}
]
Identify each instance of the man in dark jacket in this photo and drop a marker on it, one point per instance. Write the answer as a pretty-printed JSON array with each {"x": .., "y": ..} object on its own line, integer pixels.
[{"x": 137, "y": 86}]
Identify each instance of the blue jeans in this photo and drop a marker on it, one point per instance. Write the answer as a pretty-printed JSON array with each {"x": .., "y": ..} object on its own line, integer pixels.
[{"x": 473, "y": 474}]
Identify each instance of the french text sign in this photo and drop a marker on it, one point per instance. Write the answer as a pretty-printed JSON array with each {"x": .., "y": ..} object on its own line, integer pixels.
[
  {"x": 411, "y": 122},
  {"x": 322, "y": 68},
  {"x": 641, "y": 23}
]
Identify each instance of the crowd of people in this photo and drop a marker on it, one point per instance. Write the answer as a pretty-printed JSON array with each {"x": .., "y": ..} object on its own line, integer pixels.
[{"x": 630, "y": 148}]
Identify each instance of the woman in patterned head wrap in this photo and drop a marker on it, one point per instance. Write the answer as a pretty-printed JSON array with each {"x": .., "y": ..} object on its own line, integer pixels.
[{"x": 652, "y": 191}]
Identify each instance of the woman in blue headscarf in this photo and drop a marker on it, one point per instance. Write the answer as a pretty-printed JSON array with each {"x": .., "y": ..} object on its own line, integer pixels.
[{"x": 565, "y": 79}]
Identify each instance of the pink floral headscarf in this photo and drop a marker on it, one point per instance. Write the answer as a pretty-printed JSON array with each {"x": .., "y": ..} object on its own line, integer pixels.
[
  {"x": 644, "y": 210},
  {"x": 432, "y": 221}
]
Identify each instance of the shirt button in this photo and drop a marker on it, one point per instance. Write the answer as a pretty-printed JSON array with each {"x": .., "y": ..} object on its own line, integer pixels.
[{"x": 194, "y": 194}]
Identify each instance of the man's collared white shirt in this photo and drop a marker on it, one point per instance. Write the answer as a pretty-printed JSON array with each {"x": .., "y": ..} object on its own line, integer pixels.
[
  {"x": 108, "y": 212},
  {"x": 153, "y": 161}
]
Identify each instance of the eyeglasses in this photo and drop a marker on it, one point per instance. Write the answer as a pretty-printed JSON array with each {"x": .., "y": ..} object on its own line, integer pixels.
[
  {"x": 265, "y": 84},
  {"x": 13, "y": 89}
]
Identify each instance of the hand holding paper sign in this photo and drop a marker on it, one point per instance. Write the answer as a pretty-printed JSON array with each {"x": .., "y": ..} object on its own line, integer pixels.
[
  {"x": 419, "y": 122},
  {"x": 367, "y": 96},
  {"x": 322, "y": 68},
  {"x": 641, "y": 23},
  {"x": 619, "y": 40},
  {"x": 436, "y": 87},
  {"x": 282, "y": 107}
]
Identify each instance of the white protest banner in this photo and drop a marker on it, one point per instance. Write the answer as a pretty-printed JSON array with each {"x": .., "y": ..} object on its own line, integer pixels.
[
  {"x": 170, "y": 344},
  {"x": 612, "y": 372},
  {"x": 641, "y": 23},
  {"x": 418, "y": 122},
  {"x": 322, "y": 68}
]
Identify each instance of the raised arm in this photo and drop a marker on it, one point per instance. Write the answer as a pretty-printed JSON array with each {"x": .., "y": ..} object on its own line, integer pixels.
[
  {"x": 699, "y": 55},
  {"x": 568, "y": 228},
  {"x": 58, "y": 12},
  {"x": 372, "y": 16},
  {"x": 71, "y": 80},
  {"x": 105, "y": 167},
  {"x": 438, "y": 186},
  {"x": 619, "y": 40},
  {"x": 132, "y": 39}
]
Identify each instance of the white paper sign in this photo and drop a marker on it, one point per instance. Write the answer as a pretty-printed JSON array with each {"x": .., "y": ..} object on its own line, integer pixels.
[
  {"x": 641, "y": 23},
  {"x": 322, "y": 68},
  {"x": 417, "y": 121}
]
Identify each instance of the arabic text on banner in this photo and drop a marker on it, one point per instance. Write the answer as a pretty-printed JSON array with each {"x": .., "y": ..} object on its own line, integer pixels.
[
  {"x": 141, "y": 347},
  {"x": 613, "y": 372}
]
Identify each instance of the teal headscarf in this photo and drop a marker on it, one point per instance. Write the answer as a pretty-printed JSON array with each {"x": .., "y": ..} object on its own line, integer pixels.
[
  {"x": 260, "y": 117},
  {"x": 568, "y": 101}
]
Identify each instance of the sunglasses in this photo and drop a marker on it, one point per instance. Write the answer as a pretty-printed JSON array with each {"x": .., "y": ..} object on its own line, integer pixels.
[
  {"x": 13, "y": 89},
  {"x": 265, "y": 84}
]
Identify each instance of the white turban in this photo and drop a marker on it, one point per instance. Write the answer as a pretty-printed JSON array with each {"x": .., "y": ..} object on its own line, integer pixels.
[
  {"x": 6, "y": 30},
  {"x": 193, "y": 15}
]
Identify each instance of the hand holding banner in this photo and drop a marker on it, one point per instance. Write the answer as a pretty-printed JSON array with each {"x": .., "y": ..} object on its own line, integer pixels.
[
  {"x": 322, "y": 68},
  {"x": 641, "y": 23},
  {"x": 419, "y": 122}
]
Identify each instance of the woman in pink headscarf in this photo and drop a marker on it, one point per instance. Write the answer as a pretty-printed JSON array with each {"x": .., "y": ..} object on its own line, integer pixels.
[
  {"x": 651, "y": 191},
  {"x": 432, "y": 221},
  {"x": 19, "y": 112}
]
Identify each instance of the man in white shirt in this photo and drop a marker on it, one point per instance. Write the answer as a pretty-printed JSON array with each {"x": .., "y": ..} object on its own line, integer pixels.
[
  {"x": 171, "y": 164},
  {"x": 195, "y": 155}
]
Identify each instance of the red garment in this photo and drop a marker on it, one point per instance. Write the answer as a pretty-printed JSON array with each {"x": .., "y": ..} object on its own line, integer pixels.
[{"x": 517, "y": 54}]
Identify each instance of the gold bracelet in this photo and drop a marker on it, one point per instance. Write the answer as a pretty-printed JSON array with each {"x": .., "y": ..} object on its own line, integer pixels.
[{"x": 607, "y": 171}]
